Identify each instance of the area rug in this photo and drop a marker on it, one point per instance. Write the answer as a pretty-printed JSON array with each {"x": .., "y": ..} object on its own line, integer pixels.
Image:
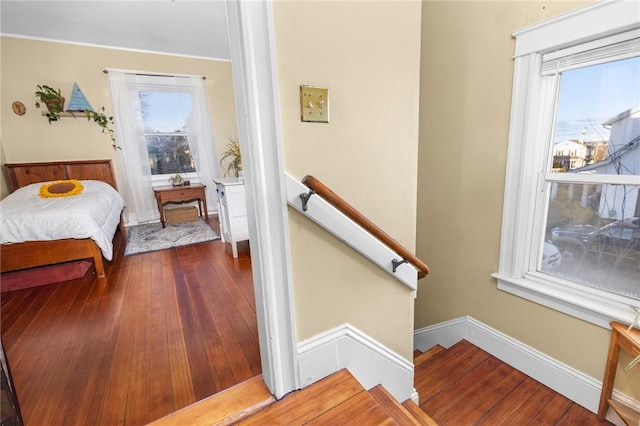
[{"x": 153, "y": 237}]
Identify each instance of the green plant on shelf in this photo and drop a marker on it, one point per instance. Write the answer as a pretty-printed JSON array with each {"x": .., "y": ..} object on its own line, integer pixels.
[
  {"x": 52, "y": 99},
  {"x": 105, "y": 122}
]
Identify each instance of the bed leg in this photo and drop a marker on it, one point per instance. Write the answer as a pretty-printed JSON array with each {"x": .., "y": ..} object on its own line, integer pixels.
[
  {"x": 97, "y": 260},
  {"x": 99, "y": 266}
]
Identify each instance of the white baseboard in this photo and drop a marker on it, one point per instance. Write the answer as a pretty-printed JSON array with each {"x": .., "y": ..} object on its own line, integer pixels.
[
  {"x": 571, "y": 383},
  {"x": 370, "y": 362}
]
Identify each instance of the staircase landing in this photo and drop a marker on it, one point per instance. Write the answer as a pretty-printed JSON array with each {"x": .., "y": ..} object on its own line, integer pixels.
[{"x": 336, "y": 400}]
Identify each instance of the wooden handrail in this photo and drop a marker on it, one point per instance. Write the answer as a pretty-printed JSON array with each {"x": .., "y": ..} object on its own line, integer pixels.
[{"x": 353, "y": 214}]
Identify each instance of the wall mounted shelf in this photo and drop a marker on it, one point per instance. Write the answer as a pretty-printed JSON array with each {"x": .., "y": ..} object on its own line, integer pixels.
[{"x": 82, "y": 114}]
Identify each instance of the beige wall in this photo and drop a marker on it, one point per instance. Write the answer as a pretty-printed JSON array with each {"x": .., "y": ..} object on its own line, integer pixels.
[
  {"x": 26, "y": 63},
  {"x": 465, "y": 96},
  {"x": 367, "y": 54}
]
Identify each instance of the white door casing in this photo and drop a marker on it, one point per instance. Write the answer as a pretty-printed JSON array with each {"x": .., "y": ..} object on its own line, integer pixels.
[{"x": 254, "y": 70}]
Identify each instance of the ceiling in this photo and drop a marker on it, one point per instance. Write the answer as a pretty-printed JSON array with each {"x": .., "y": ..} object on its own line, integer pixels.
[{"x": 183, "y": 27}]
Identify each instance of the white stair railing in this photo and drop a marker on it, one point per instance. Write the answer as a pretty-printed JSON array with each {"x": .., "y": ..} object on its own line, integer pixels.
[{"x": 342, "y": 227}]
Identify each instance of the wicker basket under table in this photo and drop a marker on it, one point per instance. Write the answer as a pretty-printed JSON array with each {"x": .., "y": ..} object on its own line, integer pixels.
[{"x": 181, "y": 214}]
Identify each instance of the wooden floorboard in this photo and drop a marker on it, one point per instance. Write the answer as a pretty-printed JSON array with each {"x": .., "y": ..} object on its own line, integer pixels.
[
  {"x": 362, "y": 404},
  {"x": 299, "y": 408},
  {"x": 167, "y": 329},
  {"x": 223, "y": 408},
  {"x": 465, "y": 386},
  {"x": 578, "y": 416},
  {"x": 452, "y": 405}
]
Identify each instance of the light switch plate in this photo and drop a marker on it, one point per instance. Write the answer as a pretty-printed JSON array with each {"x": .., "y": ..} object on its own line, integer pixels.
[{"x": 314, "y": 104}]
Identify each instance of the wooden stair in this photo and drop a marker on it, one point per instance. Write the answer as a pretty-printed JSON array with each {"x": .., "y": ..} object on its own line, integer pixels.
[
  {"x": 420, "y": 357},
  {"x": 336, "y": 400},
  {"x": 223, "y": 408}
]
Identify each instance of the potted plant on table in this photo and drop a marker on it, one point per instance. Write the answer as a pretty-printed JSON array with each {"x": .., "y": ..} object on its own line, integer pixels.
[
  {"x": 176, "y": 180},
  {"x": 52, "y": 99},
  {"x": 231, "y": 155}
]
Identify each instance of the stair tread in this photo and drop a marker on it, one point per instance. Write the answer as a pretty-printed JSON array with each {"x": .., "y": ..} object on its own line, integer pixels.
[
  {"x": 337, "y": 400},
  {"x": 360, "y": 409},
  {"x": 393, "y": 407},
  {"x": 423, "y": 418},
  {"x": 224, "y": 407},
  {"x": 423, "y": 356},
  {"x": 305, "y": 405}
]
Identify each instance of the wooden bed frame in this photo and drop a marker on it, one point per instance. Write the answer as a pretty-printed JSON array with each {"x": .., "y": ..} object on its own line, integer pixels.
[{"x": 40, "y": 253}]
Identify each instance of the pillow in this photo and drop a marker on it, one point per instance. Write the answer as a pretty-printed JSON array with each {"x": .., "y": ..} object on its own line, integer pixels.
[{"x": 61, "y": 188}]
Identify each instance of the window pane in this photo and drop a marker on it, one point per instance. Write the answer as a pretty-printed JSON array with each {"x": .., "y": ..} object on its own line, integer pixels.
[
  {"x": 165, "y": 112},
  {"x": 596, "y": 231},
  {"x": 169, "y": 154},
  {"x": 598, "y": 119},
  {"x": 166, "y": 116}
]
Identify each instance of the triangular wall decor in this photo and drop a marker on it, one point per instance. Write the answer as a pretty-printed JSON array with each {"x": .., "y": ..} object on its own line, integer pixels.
[{"x": 78, "y": 102}]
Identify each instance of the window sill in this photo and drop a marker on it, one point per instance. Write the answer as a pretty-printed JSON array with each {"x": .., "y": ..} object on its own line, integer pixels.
[
  {"x": 592, "y": 305},
  {"x": 163, "y": 180}
]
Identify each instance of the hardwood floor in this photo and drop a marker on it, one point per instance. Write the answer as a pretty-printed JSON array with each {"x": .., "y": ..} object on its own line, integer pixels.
[
  {"x": 461, "y": 386},
  {"x": 173, "y": 327},
  {"x": 167, "y": 329},
  {"x": 464, "y": 385}
]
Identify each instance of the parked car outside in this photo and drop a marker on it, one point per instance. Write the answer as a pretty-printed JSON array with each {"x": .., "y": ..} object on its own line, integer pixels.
[
  {"x": 617, "y": 241},
  {"x": 551, "y": 256}
]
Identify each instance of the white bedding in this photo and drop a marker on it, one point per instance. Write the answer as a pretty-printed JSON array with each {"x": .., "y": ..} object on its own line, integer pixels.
[{"x": 94, "y": 213}]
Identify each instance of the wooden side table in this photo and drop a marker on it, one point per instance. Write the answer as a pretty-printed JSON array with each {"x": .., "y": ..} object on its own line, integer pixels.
[
  {"x": 181, "y": 194},
  {"x": 628, "y": 341}
]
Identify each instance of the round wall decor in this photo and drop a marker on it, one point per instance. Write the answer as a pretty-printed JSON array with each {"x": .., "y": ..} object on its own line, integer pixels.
[{"x": 18, "y": 108}]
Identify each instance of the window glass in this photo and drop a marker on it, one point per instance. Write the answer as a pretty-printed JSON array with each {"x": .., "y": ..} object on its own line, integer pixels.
[
  {"x": 598, "y": 119},
  {"x": 595, "y": 247},
  {"x": 165, "y": 117},
  {"x": 595, "y": 226}
]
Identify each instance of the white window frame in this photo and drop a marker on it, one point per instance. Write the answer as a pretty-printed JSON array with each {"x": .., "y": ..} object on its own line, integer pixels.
[
  {"x": 163, "y": 179},
  {"x": 528, "y": 154}
]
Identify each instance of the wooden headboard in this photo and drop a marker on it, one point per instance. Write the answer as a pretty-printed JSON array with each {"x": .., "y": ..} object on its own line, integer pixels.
[{"x": 22, "y": 174}]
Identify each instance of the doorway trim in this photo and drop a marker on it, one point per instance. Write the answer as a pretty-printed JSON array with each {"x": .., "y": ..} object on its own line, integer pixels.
[{"x": 254, "y": 69}]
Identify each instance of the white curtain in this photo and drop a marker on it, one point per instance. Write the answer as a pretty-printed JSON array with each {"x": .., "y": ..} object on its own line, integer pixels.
[
  {"x": 203, "y": 150},
  {"x": 132, "y": 160}
]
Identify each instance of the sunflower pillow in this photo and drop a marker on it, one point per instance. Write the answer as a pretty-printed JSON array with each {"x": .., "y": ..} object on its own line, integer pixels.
[{"x": 61, "y": 188}]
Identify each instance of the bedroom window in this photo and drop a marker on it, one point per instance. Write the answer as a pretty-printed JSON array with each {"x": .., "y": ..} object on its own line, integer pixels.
[
  {"x": 165, "y": 118},
  {"x": 571, "y": 233},
  {"x": 164, "y": 127}
]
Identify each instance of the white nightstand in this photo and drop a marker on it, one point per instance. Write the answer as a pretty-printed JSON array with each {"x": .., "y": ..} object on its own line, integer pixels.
[{"x": 232, "y": 210}]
